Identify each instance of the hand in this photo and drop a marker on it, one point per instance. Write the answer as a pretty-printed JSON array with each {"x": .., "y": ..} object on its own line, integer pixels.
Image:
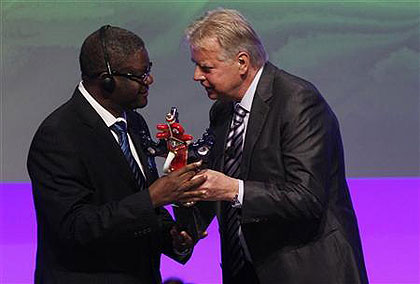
[
  {"x": 203, "y": 235},
  {"x": 176, "y": 186},
  {"x": 181, "y": 241},
  {"x": 217, "y": 186}
]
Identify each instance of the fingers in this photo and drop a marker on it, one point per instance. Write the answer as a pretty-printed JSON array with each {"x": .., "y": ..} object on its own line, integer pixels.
[
  {"x": 193, "y": 196},
  {"x": 190, "y": 167},
  {"x": 201, "y": 172},
  {"x": 186, "y": 238},
  {"x": 203, "y": 235},
  {"x": 187, "y": 176},
  {"x": 181, "y": 239},
  {"x": 176, "y": 236},
  {"x": 190, "y": 176},
  {"x": 193, "y": 183},
  {"x": 191, "y": 191}
]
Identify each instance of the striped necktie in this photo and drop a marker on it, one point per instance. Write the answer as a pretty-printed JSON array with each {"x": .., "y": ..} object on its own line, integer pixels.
[
  {"x": 120, "y": 128},
  {"x": 235, "y": 253}
]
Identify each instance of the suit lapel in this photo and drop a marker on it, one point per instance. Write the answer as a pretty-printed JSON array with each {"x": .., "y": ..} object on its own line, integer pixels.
[
  {"x": 102, "y": 139},
  {"x": 258, "y": 116}
]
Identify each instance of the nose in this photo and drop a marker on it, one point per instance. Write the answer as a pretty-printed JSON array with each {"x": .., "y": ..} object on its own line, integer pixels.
[
  {"x": 149, "y": 80},
  {"x": 198, "y": 74}
]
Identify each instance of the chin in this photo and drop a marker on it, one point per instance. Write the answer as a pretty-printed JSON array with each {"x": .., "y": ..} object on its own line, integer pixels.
[
  {"x": 136, "y": 105},
  {"x": 219, "y": 97},
  {"x": 142, "y": 101},
  {"x": 141, "y": 105},
  {"x": 213, "y": 96}
]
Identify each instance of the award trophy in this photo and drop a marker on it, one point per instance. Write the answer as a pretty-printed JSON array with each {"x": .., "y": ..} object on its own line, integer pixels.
[
  {"x": 176, "y": 141},
  {"x": 180, "y": 151}
]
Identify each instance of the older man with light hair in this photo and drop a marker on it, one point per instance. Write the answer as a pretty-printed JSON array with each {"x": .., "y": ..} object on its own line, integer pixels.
[{"x": 277, "y": 171}]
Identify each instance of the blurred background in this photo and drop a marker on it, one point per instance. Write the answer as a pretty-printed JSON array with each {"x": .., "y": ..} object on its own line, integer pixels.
[{"x": 363, "y": 56}]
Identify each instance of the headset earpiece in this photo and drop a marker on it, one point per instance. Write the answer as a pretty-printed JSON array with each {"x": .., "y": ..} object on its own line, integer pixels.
[{"x": 108, "y": 82}]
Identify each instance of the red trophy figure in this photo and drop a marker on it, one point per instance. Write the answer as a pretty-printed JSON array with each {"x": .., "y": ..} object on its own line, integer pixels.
[{"x": 176, "y": 141}]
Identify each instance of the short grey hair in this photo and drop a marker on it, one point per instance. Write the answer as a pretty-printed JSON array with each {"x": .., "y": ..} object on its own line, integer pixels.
[{"x": 231, "y": 30}]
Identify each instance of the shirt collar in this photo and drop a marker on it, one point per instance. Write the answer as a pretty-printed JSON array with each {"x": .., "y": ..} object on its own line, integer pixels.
[
  {"x": 106, "y": 116},
  {"x": 247, "y": 99}
]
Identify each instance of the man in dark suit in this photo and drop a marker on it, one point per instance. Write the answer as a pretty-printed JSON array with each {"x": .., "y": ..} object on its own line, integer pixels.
[
  {"x": 277, "y": 167},
  {"x": 97, "y": 194}
]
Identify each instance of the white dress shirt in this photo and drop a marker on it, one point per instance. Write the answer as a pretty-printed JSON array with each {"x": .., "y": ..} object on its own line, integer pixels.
[
  {"x": 246, "y": 103},
  {"x": 109, "y": 120}
]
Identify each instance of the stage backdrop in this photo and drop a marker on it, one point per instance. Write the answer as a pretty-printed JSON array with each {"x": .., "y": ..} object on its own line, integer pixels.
[{"x": 363, "y": 56}]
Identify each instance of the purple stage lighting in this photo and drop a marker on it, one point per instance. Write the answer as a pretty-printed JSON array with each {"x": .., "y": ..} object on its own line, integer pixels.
[{"x": 388, "y": 211}]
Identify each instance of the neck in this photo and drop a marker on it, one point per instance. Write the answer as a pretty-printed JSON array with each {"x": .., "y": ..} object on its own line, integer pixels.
[
  {"x": 103, "y": 98},
  {"x": 247, "y": 81}
]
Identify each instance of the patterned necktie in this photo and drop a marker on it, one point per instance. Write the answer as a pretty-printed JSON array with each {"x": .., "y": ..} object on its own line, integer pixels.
[
  {"x": 232, "y": 168},
  {"x": 120, "y": 128}
]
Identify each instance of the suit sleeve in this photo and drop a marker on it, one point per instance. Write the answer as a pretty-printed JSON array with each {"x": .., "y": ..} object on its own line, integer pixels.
[
  {"x": 63, "y": 195},
  {"x": 308, "y": 131}
]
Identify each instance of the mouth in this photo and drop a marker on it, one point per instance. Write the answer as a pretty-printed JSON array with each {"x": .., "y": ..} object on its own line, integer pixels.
[
  {"x": 144, "y": 92},
  {"x": 209, "y": 90}
]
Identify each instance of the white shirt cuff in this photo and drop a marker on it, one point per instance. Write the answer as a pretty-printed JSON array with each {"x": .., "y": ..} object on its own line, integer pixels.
[{"x": 240, "y": 200}]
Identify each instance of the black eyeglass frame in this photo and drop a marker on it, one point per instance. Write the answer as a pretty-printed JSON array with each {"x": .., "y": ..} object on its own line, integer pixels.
[{"x": 142, "y": 79}]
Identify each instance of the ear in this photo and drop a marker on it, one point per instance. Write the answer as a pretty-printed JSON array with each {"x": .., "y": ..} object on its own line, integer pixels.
[{"x": 243, "y": 61}]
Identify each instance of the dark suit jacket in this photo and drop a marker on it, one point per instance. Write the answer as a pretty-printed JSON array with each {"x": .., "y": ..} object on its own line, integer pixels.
[
  {"x": 94, "y": 224},
  {"x": 297, "y": 217}
]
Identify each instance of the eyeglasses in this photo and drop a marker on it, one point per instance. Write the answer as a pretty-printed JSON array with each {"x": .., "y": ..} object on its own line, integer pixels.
[{"x": 141, "y": 79}]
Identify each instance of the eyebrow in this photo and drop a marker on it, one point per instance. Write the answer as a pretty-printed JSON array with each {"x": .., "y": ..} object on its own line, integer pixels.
[{"x": 203, "y": 65}]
